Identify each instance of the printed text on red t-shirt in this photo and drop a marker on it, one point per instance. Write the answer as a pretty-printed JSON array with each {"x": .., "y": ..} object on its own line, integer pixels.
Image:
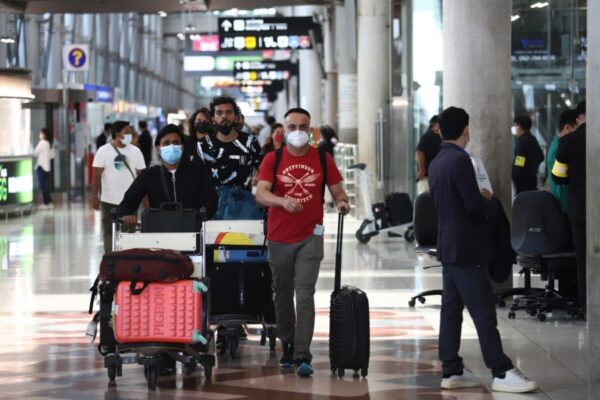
[{"x": 296, "y": 179}]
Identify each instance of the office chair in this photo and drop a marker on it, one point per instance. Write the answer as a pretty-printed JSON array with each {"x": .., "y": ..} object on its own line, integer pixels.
[
  {"x": 539, "y": 236},
  {"x": 425, "y": 231}
]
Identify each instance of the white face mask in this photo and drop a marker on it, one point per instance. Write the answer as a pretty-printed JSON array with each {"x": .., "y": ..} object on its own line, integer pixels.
[
  {"x": 513, "y": 130},
  {"x": 127, "y": 138},
  {"x": 297, "y": 138}
]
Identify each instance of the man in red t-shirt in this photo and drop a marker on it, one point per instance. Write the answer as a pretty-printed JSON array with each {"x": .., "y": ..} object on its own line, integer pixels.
[{"x": 295, "y": 233}]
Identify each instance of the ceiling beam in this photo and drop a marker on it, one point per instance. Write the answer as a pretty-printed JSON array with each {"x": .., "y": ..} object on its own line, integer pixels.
[{"x": 11, "y": 6}]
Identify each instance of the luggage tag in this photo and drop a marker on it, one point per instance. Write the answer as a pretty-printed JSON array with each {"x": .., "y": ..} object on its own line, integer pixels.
[
  {"x": 319, "y": 229},
  {"x": 92, "y": 327}
]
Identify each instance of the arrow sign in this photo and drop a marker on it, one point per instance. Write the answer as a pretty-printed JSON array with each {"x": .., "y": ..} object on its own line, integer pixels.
[{"x": 226, "y": 25}]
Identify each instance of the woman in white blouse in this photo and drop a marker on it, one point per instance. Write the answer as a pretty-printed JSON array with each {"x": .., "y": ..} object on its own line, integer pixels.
[{"x": 44, "y": 153}]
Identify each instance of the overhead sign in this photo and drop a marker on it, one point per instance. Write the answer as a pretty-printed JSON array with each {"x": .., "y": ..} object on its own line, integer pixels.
[
  {"x": 206, "y": 62},
  {"x": 264, "y": 70},
  {"x": 204, "y": 42},
  {"x": 249, "y": 34},
  {"x": 76, "y": 57}
]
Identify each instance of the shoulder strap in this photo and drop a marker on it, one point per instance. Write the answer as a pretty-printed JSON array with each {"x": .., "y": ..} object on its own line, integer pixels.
[
  {"x": 278, "y": 155},
  {"x": 323, "y": 159},
  {"x": 124, "y": 159}
]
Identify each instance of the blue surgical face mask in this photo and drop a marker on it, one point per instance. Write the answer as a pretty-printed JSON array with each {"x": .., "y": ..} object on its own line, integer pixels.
[
  {"x": 127, "y": 138},
  {"x": 171, "y": 154}
]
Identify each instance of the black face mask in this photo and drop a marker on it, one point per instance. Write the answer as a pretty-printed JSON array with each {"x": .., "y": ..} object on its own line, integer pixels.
[
  {"x": 225, "y": 129},
  {"x": 201, "y": 127}
]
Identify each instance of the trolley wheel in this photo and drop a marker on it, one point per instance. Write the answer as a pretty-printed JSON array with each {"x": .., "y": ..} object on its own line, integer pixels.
[
  {"x": 152, "y": 376},
  {"x": 511, "y": 315},
  {"x": 363, "y": 239},
  {"x": 411, "y": 303},
  {"x": 233, "y": 345},
  {"x": 112, "y": 372},
  {"x": 409, "y": 236},
  {"x": 422, "y": 300},
  {"x": 356, "y": 374},
  {"x": 190, "y": 368},
  {"x": 532, "y": 311},
  {"x": 208, "y": 372},
  {"x": 541, "y": 317},
  {"x": 340, "y": 372},
  {"x": 364, "y": 372},
  {"x": 272, "y": 342}
]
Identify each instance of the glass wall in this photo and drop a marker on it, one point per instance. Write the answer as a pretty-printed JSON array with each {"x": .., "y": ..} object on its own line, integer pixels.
[{"x": 549, "y": 55}]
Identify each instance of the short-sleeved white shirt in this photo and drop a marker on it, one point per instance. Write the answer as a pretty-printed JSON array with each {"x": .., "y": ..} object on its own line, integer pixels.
[{"x": 116, "y": 178}]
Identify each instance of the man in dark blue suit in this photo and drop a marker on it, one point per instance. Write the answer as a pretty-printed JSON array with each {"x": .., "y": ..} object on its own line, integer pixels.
[{"x": 465, "y": 247}]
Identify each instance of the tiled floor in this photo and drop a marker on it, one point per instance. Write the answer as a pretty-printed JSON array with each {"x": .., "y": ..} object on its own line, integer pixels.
[{"x": 49, "y": 260}]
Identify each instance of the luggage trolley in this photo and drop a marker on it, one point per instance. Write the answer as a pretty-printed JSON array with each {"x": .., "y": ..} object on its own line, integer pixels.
[
  {"x": 241, "y": 282},
  {"x": 151, "y": 355},
  {"x": 375, "y": 221}
]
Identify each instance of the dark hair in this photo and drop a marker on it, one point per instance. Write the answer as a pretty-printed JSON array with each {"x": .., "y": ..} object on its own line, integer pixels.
[
  {"x": 192, "y": 120},
  {"x": 48, "y": 134},
  {"x": 275, "y": 126},
  {"x": 523, "y": 121},
  {"x": 580, "y": 108},
  {"x": 270, "y": 120},
  {"x": 217, "y": 101},
  {"x": 434, "y": 120},
  {"x": 297, "y": 110},
  {"x": 567, "y": 117},
  {"x": 142, "y": 124},
  {"x": 107, "y": 126},
  {"x": 117, "y": 127},
  {"x": 327, "y": 132},
  {"x": 171, "y": 128},
  {"x": 453, "y": 121}
]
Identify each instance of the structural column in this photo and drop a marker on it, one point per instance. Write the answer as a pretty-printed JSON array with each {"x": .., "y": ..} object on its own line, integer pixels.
[
  {"x": 330, "y": 106},
  {"x": 477, "y": 36},
  {"x": 311, "y": 75},
  {"x": 593, "y": 187},
  {"x": 347, "y": 96},
  {"x": 373, "y": 77}
]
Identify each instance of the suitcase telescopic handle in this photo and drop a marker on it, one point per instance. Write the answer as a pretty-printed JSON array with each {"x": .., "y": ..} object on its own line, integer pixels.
[{"x": 338, "y": 254}]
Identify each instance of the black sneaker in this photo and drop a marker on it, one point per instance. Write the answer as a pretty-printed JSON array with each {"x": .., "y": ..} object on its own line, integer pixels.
[
  {"x": 287, "y": 361},
  {"x": 303, "y": 368}
]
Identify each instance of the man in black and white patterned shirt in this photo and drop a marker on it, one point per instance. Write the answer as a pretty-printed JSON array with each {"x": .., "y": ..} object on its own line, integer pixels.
[{"x": 232, "y": 156}]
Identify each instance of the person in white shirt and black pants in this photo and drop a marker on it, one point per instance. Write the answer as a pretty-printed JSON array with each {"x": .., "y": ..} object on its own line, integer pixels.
[{"x": 44, "y": 153}]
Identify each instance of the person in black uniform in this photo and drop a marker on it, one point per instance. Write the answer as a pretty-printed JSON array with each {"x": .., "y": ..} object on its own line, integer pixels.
[
  {"x": 428, "y": 147},
  {"x": 105, "y": 136},
  {"x": 145, "y": 142},
  {"x": 569, "y": 169},
  {"x": 186, "y": 182},
  {"x": 528, "y": 156},
  {"x": 465, "y": 246}
]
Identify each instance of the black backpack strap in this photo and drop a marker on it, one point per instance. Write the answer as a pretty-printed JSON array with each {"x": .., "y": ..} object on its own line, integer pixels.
[
  {"x": 323, "y": 159},
  {"x": 94, "y": 290},
  {"x": 278, "y": 154}
]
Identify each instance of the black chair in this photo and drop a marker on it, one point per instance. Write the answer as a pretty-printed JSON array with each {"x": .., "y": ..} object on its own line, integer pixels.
[
  {"x": 425, "y": 231},
  {"x": 539, "y": 235}
]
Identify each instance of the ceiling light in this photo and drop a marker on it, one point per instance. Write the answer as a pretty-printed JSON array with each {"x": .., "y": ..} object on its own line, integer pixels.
[
  {"x": 162, "y": 14},
  {"x": 514, "y": 18},
  {"x": 7, "y": 40},
  {"x": 180, "y": 36},
  {"x": 539, "y": 4}
]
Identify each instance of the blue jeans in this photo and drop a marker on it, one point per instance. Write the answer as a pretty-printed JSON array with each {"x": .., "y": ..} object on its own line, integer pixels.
[
  {"x": 42, "y": 177},
  {"x": 469, "y": 285}
]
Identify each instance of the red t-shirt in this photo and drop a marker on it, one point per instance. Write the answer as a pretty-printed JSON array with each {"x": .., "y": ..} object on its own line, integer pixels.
[{"x": 299, "y": 178}]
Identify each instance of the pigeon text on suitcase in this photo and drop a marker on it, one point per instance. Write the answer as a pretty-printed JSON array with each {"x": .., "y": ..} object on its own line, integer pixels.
[
  {"x": 162, "y": 312},
  {"x": 349, "y": 337}
]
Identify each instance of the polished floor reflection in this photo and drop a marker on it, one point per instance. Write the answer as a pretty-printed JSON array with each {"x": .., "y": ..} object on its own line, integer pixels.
[{"x": 49, "y": 260}]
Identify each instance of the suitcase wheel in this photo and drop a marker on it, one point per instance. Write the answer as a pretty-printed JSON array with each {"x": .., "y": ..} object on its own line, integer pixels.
[
  {"x": 364, "y": 372},
  {"x": 208, "y": 372},
  {"x": 233, "y": 343},
  {"x": 272, "y": 342},
  {"x": 340, "y": 372}
]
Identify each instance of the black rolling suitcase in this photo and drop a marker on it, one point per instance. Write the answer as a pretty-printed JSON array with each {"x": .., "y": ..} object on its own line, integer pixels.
[
  {"x": 399, "y": 208},
  {"x": 349, "y": 337}
]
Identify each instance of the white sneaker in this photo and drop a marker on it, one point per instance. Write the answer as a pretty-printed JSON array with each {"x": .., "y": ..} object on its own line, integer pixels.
[
  {"x": 466, "y": 380},
  {"x": 42, "y": 207},
  {"x": 514, "y": 382}
]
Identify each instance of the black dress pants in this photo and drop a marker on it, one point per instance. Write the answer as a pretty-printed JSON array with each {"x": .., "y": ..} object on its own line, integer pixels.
[{"x": 469, "y": 285}]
